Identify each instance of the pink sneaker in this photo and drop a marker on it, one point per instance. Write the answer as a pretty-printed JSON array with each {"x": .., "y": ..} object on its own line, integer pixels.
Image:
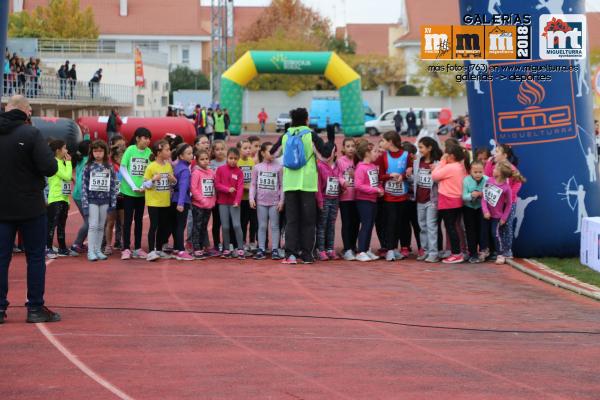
[
  {"x": 213, "y": 253},
  {"x": 421, "y": 252},
  {"x": 323, "y": 256},
  {"x": 200, "y": 255},
  {"x": 126, "y": 254},
  {"x": 241, "y": 254},
  {"x": 139, "y": 253},
  {"x": 333, "y": 255},
  {"x": 454, "y": 259},
  {"x": 183, "y": 256},
  {"x": 405, "y": 251}
]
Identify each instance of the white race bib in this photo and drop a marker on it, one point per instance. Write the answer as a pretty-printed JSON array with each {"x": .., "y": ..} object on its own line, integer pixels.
[
  {"x": 162, "y": 185},
  {"x": 247, "y": 170},
  {"x": 349, "y": 178},
  {"x": 267, "y": 181},
  {"x": 208, "y": 187},
  {"x": 491, "y": 194},
  {"x": 395, "y": 188},
  {"x": 333, "y": 186},
  {"x": 137, "y": 166},
  {"x": 425, "y": 180},
  {"x": 100, "y": 181},
  {"x": 66, "y": 188},
  {"x": 373, "y": 177}
]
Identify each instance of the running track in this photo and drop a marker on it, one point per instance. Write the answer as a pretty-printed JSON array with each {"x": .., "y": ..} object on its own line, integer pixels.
[{"x": 258, "y": 330}]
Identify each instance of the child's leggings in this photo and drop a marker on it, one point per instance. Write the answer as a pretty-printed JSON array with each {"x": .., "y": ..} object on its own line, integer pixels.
[
  {"x": 226, "y": 212},
  {"x": 268, "y": 215}
]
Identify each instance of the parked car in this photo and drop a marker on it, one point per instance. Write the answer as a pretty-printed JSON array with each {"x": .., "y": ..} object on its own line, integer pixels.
[
  {"x": 426, "y": 118},
  {"x": 324, "y": 108},
  {"x": 284, "y": 118}
]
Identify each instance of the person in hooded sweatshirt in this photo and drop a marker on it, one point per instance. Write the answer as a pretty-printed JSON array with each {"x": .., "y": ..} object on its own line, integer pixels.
[{"x": 25, "y": 160}]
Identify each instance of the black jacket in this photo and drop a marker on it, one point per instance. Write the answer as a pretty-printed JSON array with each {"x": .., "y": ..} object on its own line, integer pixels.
[{"x": 25, "y": 159}]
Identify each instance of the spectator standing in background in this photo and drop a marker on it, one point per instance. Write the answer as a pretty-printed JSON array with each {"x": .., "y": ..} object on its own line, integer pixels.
[
  {"x": 398, "y": 122},
  {"x": 262, "y": 120},
  {"x": 227, "y": 121},
  {"x": 95, "y": 82},
  {"x": 72, "y": 80},
  {"x": 62, "y": 78},
  {"x": 219, "y": 118},
  {"x": 411, "y": 122},
  {"x": 113, "y": 126}
]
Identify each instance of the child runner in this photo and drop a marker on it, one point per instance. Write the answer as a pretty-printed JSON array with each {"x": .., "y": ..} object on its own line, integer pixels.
[
  {"x": 218, "y": 158},
  {"x": 115, "y": 217},
  {"x": 329, "y": 186},
  {"x": 58, "y": 200},
  {"x": 496, "y": 205},
  {"x": 254, "y": 147},
  {"x": 133, "y": 166},
  {"x": 449, "y": 174},
  {"x": 158, "y": 179},
  {"x": 473, "y": 185},
  {"x": 99, "y": 194},
  {"x": 394, "y": 164},
  {"x": 380, "y": 219},
  {"x": 426, "y": 195},
  {"x": 348, "y": 213},
  {"x": 248, "y": 216},
  {"x": 367, "y": 189},
  {"x": 229, "y": 182},
  {"x": 202, "y": 142},
  {"x": 204, "y": 198},
  {"x": 411, "y": 208},
  {"x": 266, "y": 196},
  {"x": 180, "y": 200},
  {"x": 80, "y": 161}
]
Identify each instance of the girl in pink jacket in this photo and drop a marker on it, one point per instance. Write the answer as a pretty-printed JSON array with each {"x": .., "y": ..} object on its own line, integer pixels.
[
  {"x": 204, "y": 198},
  {"x": 349, "y": 214},
  {"x": 449, "y": 174},
  {"x": 367, "y": 188}
]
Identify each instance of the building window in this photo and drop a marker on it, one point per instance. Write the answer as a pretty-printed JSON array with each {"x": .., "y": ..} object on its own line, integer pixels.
[
  {"x": 185, "y": 55},
  {"x": 165, "y": 101},
  {"x": 140, "y": 100},
  {"x": 149, "y": 45}
]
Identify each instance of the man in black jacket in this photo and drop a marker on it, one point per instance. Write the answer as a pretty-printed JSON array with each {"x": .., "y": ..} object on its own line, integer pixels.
[
  {"x": 72, "y": 79},
  {"x": 25, "y": 159}
]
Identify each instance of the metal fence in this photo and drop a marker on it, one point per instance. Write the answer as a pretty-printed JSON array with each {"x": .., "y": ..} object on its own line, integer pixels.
[{"x": 52, "y": 88}]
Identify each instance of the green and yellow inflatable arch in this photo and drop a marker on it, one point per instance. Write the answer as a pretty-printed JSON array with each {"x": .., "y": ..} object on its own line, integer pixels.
[{"x": 329, "y": 64}]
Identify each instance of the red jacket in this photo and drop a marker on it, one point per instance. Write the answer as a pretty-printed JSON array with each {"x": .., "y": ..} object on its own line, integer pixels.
[
  {"x": 227, "y": 177},
  {"x": 262, "y": 116}
]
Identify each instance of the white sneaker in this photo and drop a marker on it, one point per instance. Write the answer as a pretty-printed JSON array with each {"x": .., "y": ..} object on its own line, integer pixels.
[
  {"x": 398, "y": 255},
  {"x": 363, "y": 257},
  {"x": 372, "y": 256},
  {"x": 390, "y": 256},
  {"x": 152, "y": 256},
  {"x": 349, "y": 255},
  {"x": 164, "y": 255}
]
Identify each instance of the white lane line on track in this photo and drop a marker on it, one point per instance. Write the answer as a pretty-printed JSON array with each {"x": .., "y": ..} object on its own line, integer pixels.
[{"x": 80, "y": 364}]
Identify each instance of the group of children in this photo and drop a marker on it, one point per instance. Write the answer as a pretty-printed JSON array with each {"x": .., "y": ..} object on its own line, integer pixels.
[{"x": 392, "y": 187}]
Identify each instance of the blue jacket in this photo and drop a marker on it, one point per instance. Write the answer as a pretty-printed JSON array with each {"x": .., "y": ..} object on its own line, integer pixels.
[
  {"x": 181, "y": 191},
  {"x": 95, "y": 192}
]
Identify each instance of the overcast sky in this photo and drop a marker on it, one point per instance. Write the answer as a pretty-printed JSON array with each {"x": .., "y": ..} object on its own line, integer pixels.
[{"x": 362, "y": 11}]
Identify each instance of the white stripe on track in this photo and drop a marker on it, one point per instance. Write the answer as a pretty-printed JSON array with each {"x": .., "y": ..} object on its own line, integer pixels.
[{"x": 80, "y": 364}]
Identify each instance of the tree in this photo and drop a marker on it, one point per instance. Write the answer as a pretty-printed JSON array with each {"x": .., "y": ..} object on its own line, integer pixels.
[
  {"x": 341, "y": 46},
  {"x": 185, "y": 78},
  {"x": 61, "y": 19},
  {"x": 441, "y": 84},
  {"x": 376, "y": 70},
  {"x": 292, "y": 18}
]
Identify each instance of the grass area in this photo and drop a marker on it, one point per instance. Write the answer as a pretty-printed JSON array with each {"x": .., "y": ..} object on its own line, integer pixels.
[{"x": 572, "y": 267}]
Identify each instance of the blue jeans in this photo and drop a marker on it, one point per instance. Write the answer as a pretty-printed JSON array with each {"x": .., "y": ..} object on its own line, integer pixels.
[{"x": 34, "y": 242}]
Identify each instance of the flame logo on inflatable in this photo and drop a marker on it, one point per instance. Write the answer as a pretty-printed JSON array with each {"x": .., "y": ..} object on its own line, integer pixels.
[{"x": 531, "y": 93}]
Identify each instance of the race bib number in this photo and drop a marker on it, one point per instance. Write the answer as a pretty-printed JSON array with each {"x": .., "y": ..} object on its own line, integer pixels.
[
  {"x": 395, "y": 188},
  {"x": 267, "y": 181},
  {"x": 247, "y": 174},
  {"x": 162, "y": 185},
  {"x": 373, "y": 177},
  {"x": 349, "y": 178},
  {"x": 66, "y": 188},
  {"x": 333, "y": 186},
  {"x": 491, "y": 194},
  {"x": 137, "y": 167},
  {"x": 100, "y": 181},
  {"x": 208, "y": 187},
  {"x": 425, "y": 180}
]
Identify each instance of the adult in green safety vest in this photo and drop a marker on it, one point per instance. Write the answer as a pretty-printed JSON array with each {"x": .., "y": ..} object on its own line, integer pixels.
[
  {"x": 300, "y": 189},
  {"x": 219, "y": 118}
]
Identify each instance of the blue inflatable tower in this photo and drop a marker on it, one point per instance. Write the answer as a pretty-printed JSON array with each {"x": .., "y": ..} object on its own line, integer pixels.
[{"x": 548, "y": 122}]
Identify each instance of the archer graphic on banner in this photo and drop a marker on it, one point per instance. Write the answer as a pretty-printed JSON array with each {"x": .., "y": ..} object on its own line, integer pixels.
[{"x": 574, "y": 194}]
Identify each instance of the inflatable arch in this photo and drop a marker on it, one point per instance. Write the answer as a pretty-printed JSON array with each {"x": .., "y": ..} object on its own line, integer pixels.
[{"x": 329, "y": 64}]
